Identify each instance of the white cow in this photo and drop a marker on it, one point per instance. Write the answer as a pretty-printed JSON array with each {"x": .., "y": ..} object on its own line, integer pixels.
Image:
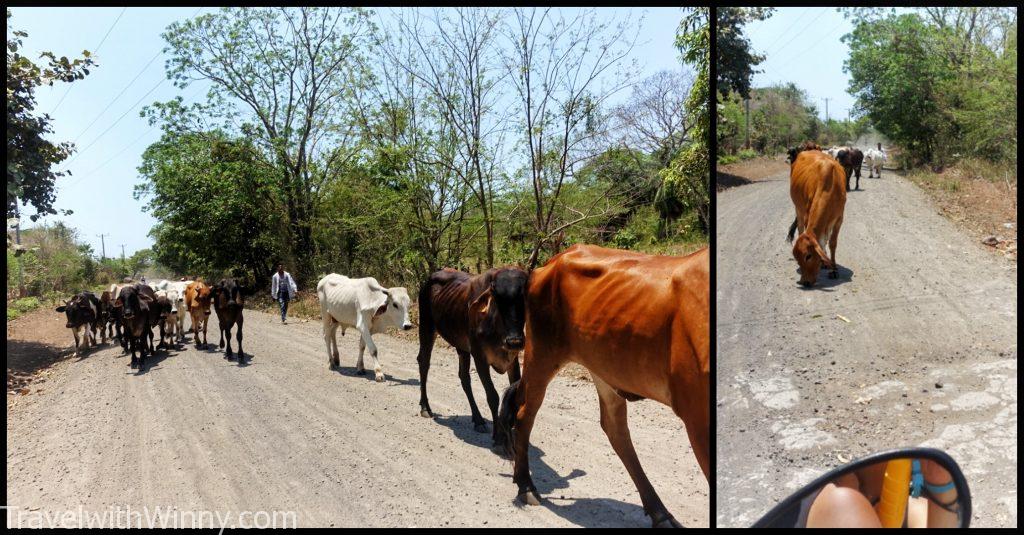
[
  {"x": 364, "y": 305},
  {"x": 176, "y": 319},
  {"x": 874, "y": 158}
]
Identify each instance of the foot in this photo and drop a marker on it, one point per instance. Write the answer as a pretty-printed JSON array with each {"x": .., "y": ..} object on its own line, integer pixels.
[
  {"x": 666, "y": 523},
  {"x": 360, "y": 372},
  {"x": 480, "y": 427},
  {"x": 833, "y": 274},
  {"x": 379, "y": 377},
  {"x": 426, "y": 413},
  {"x": 529, "y": 497}
]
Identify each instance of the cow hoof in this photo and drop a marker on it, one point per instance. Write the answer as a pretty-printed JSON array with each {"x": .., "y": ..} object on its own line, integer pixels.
[
  {"x": 379, "y": 378},
  {"x": 426, "y": 413},
  {"x": 360, "y": 372},
  {"x": 833, "y": 275},
  {"x": 667, "y": 523},
  {"x": 528, "y": 498},
  {"x": 480, "y": 428},
  {"x": 333, "y": 366}
]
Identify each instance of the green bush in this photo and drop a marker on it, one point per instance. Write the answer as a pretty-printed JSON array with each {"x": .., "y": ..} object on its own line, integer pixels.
[{"x": 17, "y": 308}]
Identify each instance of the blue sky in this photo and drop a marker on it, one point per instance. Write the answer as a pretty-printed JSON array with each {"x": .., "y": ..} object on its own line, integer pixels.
[
  {"x": 104, "y": 169},
  {"x": 801, "y": 45}
]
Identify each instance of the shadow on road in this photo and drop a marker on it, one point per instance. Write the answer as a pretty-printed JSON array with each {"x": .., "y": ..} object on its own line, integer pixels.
[
  {"x": 725, "y": 180},
  {"x": 350, "y": 371},
  {"x": 824, "y": 282}
]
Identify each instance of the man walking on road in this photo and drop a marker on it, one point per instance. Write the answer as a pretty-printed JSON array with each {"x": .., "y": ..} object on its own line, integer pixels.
[{"x": 283, "y": 289}]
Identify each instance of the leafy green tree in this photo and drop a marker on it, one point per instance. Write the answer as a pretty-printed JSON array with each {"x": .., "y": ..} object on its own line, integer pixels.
[
  {"x": 31, "y": 157},
  {"x": 686, "y": 183},
  {"x": 283, "y": 78},
  {"x": 736, "y": 60},
  {"x": 220, "y": 207}
]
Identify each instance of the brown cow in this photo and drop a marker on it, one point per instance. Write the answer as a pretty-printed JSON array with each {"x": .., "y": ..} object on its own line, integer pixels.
[
  {"x": 817, "y": 185},
  {"x": 198, "y": 297},
  {"x": 640, "y": 324},
  {"x": 481, "y": 316}
]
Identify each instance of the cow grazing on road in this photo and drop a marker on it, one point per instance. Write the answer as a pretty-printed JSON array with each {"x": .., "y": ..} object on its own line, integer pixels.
[
  {"x": 198, "y": 297},
  {"x": 139, "y": 313},
  {"x": 83, "y": 313},
  {"x": 817, "y": 188},
  {"x": 362, "y": 304},
  {"x": 116, "y": 314},
  {"x": 228, "y": 301},
  {"x": 481, "y": 316},
  {"x": 875, "y": 158},
  {"x": 640, "y": 324}
]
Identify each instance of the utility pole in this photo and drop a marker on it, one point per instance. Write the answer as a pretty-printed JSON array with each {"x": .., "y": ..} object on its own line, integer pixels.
[
  {"x": 124, "y": 265},
  {"x": 747, "y": 101},
  {"x": 826, "y": 110},
  {"x": 103, "y": 245}
]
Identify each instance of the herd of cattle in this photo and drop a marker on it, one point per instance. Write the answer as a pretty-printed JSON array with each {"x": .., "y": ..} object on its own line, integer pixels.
[
  {"x": 638, "y": 323},
  {"x": 818, "y": 182},
  {"x": 129, "y": 312}
]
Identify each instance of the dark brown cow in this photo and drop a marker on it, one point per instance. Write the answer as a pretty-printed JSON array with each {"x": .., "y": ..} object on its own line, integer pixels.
[
  {"x": 851, "y": 159},
  {"x": 228, "y": 302},
  {"x": 481, "y": 316},
  {"x": 640, "y": 324}
]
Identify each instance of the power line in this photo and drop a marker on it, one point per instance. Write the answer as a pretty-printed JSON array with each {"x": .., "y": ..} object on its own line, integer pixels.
[
  {"x": 137, "y": 102},
  {"x": 111, "y": 103},
  {"x": 783, "y": 34},
  {"x": 806, "y": 48},
  {"x": 100, "y": 114},
  {"x": 94, "y": 50},
  {"x": 126, "y": 147},
  {"x": 798, "y": 34}
]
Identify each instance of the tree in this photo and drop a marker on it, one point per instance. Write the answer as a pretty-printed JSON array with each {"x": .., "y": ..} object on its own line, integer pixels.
[
  {"x": 31, "y": 157},
  {"x": 686, "y": 183},
  {"x": 454, "y": 61},
  {"x": 735, "y": 59},
  {"x": 289, "y": 74},
  {"x": 654, "y": 120},
  {"x": 557, "y": 67},
  {"x": 218, "y": 204}
]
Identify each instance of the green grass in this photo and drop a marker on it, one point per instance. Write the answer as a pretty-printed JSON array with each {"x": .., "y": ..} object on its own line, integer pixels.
[{"x": 18, "y": 307}]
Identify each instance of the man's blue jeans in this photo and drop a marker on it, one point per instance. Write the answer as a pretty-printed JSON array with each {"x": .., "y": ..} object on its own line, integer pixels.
[{"x": 282, "y": 299}]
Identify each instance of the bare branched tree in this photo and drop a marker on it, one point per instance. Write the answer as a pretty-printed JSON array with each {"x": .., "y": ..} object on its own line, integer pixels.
[
  {"x": 654, "y": 119},
  {"x": 564, "y": 71}
]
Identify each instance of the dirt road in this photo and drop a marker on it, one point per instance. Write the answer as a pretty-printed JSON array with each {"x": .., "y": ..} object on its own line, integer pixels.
[
  {"x": 928, "y": 357},
  {"x": 196, "y": 432}
]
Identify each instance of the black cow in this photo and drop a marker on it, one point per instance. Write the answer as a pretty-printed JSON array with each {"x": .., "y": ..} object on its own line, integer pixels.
[
  {"x": 851, "y": 159},
  {"x": 83, "y": 310},
  {"x": 228, "y": 303},
  {"x": 481, "y": 316},
  {"x": 139, "y": 313}
]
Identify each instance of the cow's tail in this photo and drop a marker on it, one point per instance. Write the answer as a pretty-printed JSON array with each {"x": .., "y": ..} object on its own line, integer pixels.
[
  {"x": 792, "y": 231},
  {"x": 426, "y": 320},
  {"x": 507, "y": 416}
]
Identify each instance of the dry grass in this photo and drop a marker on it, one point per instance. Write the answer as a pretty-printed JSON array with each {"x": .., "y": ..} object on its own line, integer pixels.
[{"x": 979, "y": 196}]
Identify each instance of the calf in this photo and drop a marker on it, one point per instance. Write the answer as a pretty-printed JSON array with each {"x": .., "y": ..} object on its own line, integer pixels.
[
  {"x": 83, "y": 313},
  {"x": 139, "y": 312},
  {"x": 816, "y": 186},
  {"x": 364, "y": 305},
  {"x": 167, "y": 300},
  {"x": 228, "y": 302},
  {"x": 198, "y": 297},
  {"x": 481, "y": 316}
]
